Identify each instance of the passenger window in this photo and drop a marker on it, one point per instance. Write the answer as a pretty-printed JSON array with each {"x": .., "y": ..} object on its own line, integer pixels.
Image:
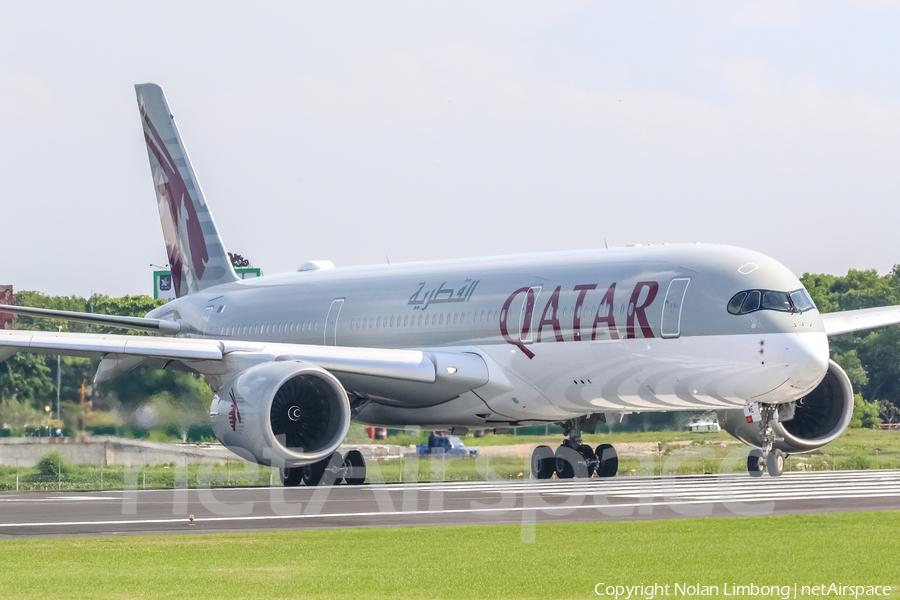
[{"x": 751, "y": 303}]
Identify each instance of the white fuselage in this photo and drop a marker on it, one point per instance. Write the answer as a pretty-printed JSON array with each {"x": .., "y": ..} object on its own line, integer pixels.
[{"x": 564, "y": 334}]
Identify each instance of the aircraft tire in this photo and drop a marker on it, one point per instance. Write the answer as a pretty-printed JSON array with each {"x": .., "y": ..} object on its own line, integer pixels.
[
  {"x": 543, "y": 462},
  {"x": 356, "y": 464},
  {"x": 569, "y": 463},
  {"x": 755, "y": 463},
  {"x": 313, "y": 474},
  {"x": 291, "y": 476},
  {"x": 775, "y": 463},
  {"x": 587, "y": 453},
  {"x": 607, "y": 460}
]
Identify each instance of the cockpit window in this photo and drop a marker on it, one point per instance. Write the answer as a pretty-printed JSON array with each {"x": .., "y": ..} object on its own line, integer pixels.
[
  {"x": 779, "y": 301},
  {"x": 734, "y": 305},
  {"x": 750, "y": 301},
  {"x": 801, "y": 300}
]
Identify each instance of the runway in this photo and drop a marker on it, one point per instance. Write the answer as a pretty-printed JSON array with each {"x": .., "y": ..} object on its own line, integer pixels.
[{"x": 134, "y": 512}]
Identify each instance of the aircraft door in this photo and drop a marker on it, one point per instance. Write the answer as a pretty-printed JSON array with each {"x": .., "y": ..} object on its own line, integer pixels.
[
  {"x": 331, "y": 322},
  {"x": 671, "y": 314},
  {"x": 204, "y": 320}
]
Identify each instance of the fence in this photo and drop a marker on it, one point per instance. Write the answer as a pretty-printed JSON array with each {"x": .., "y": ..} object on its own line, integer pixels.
[{"x": 143, "y": 469}]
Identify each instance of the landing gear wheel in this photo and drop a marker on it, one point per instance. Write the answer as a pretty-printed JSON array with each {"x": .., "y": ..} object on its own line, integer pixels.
[
  {"x": 291, "y": 476},
  {"x": 569, "y": 463},
  {"x": 775, "y": 463},
  {"x": 755, "y": 463},
  {"x": 587, "y": 453},
  {"x": 607, "y": 461},
  {"x": 356, "y": 468},
  {"x": 312, "y": 474},
  {"x": 543, "y": 462}
]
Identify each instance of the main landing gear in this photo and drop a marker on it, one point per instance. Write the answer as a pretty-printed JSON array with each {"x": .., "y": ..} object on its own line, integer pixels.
[
  {"x": 328, "y": 471},
  {"x": 766, "y": 458},
  {"x": 574, "y": 459}
]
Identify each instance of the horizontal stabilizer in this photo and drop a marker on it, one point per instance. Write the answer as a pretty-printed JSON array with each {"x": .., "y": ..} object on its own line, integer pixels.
[
  {"x": 94, "y": 345},
  {"x": 164, "y": 326}
]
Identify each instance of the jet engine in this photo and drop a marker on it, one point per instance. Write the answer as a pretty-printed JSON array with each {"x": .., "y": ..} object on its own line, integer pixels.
[
  {"x": 809, "y": 423},
  {"x": 283, "y": 413}
]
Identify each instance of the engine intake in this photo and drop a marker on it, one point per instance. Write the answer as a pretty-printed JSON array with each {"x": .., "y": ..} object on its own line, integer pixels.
[
  {"x": 284, "y": 413},
  {"x": 819, "y": 418}
]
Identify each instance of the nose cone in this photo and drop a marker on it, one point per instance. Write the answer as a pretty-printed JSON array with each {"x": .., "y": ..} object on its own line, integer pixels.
[{"x": 806, "y": 356}]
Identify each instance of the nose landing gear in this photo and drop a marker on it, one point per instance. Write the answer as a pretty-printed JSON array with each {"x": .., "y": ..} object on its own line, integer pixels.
[{"x": 772, "y": 459}]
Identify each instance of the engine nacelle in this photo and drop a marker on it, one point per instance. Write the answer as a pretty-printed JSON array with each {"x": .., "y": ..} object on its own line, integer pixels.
[
  {"x": 284, "y": 413},
  {"x": 819, "y": 417}
]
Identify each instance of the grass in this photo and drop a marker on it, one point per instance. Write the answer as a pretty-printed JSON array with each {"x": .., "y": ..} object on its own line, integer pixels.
[
  {"x": 683, "y": 453},
  {"x": 565, "y": 560}
]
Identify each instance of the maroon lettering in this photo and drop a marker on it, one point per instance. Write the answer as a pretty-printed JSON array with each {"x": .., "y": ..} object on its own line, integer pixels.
[
  {"x": 576, "y": 321},
  {"x": 638, "y": 311},
  {"x": 609, "y": 318},
  {"x": 526, "y": 325},
  {"x": 553, "y": 320}
]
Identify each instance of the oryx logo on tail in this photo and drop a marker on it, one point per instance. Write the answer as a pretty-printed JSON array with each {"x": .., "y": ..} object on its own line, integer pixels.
[{"x": 193, "y": 245}]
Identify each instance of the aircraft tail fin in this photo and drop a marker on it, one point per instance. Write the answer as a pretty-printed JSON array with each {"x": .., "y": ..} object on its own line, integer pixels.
[{"x": 195, "y": 249}]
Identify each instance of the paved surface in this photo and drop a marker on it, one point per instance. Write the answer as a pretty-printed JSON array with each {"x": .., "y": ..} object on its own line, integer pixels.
[{"x": 38, "y": 514}]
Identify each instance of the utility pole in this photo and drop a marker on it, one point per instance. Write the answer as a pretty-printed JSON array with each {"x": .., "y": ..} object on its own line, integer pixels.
[
  {"x": 58, "y": 382},
  {"x": 58, "y": 378}
]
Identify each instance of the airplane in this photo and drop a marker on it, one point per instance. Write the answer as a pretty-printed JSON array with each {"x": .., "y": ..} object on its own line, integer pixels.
[{"x": 575, "y": 338}]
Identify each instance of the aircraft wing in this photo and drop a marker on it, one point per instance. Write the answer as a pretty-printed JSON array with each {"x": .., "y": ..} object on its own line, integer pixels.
[
  {"x": 857, "y": 320},
  {"x": 119, "y": 353}
]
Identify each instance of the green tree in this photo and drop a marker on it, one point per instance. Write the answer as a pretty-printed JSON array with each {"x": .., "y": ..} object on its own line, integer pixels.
[
  {"x": 19, "y": 415},
  {"x": 871, "y": 358},
  {"x": 33, "y": 377},
  {"x": 865, "y": 414},
  {"x": 888, "y": 412},
  {"x": 26, "y": 377}
]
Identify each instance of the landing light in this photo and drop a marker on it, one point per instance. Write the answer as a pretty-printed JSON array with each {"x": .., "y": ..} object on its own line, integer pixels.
[{"x": 451, "y": 370}]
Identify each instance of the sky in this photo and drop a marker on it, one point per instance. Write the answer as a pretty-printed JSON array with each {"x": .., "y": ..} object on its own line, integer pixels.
[{"x": 368, "y": 131}]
